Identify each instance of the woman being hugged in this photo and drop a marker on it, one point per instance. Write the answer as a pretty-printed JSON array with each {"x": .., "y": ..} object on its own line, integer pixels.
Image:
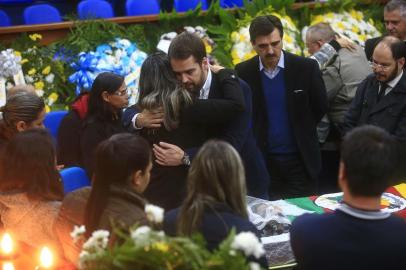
[
  {"x": 107, "y": 99},
  {"x": 121, "y": 174},
  {"x": 30, "y": 188}
]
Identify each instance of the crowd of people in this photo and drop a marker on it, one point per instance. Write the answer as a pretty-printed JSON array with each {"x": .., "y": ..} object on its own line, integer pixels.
[{"x": 201, "y": 137}]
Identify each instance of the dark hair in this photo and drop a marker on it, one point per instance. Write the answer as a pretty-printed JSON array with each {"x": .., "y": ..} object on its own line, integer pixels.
[
  {"x": 159, "y": 88},
  {"x": 185, "y": 45},
  {"x": 264, "y": 25},
  {"x": 370, "y": 158},
  {"x": 108, "y": 82},
  {"x": 215, "y": 177},
  {"x": 117, "y": 159},
  {"x": 21, "y": 106},
  {"x": 28, "y": 164},
  {"x": 396, "y": 46}
]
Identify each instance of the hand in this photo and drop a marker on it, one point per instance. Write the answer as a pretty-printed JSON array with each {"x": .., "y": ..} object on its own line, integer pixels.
[
  {"x": 168, "y": 154},
  {"x": 150, "y": 119},
  {"x": 345, "y": 43},
  {"x": 215, "y": 68}
]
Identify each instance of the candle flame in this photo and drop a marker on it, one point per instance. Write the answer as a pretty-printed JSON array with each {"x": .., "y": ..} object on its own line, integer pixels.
[
  {"x": 8, "y": 266},
  {"x": 6, "y": 244},
  {"x": 46, "y": 257}
]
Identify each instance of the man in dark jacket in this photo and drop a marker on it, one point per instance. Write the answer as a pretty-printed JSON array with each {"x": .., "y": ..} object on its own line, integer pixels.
[
  {"x": 395, "y": 22},
  {"x": 289, "y": 99}
]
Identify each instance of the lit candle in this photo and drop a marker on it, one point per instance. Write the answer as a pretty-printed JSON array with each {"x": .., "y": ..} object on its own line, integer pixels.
[
  {"x": 46, "y": 259},
  {"x": 6, "y": 247},
  {"x": 8, "y": 266}
]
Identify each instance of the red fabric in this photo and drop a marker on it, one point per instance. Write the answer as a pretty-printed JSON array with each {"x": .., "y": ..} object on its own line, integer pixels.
[{"x": 81, "y": 106}]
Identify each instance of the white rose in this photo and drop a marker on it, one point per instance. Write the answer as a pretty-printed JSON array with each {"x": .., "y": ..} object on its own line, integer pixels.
[
  {"x": 154, "y": 213},
  {"x": 249, "y": 244},
  {"x": 77, "y": 232},
  {"x": 50, "y": 78},
  {"x": 254, "y": 266}
]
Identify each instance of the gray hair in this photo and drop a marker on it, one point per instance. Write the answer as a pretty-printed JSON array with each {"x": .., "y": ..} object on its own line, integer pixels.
[
  {"x": 396, "y": 5},
  {"x": 321, "y": 31}
]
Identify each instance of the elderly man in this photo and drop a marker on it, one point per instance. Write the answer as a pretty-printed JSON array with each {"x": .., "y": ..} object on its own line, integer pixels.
[
  {"x": 341, "y": 75},
  {"x": 381, "y": 98},
  {"x": 358, "y": 235},
  {"x": 395, "y": 22},
  {"x": 288, "y": 100}
]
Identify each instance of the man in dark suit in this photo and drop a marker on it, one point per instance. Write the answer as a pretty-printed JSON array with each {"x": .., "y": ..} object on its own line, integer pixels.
[
  {"x": 395, "y": 22},
  {"x": 381, "y": 98},
  {"x": 357, "y": 235},
  {"x": 189, "y": 62},
  {"x": 289, "y": 99}
]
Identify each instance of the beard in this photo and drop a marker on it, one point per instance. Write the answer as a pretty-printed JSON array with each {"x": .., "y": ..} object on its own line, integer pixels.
[{"x": 391, "y": 75}]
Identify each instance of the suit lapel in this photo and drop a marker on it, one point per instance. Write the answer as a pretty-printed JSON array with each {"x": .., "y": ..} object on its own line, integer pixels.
[
  {"x": 390, "y": 98},
  {"x": 289, "y": 79},
  {"x": 213, "y": 86}
]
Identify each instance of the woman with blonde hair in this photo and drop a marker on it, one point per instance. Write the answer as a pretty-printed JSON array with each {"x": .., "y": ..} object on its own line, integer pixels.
[{"x": 216, "y": 193}]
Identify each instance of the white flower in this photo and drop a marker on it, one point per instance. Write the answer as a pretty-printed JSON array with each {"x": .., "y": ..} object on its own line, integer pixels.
[
  {"x": 140, "y": 232},
  {"x": 39, "y": 92},
  {"x": 77, "y": 232},
  {"x": 29, "y": 79},
  {"x": 98, "y": 241},
  {"x": 254, "y": 266},
  {"x": 154, "y": 213},
  {"x": 50, "y": 78},
  {"x": 249, "y": 244}
]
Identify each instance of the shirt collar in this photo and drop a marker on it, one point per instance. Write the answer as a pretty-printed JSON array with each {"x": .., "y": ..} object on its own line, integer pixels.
[
  {"x": 395, "y": 81},
  {"x": 281, "y": 63},
  {"x": 204, "y": 92},
  {"x": 362, "y": 214}
]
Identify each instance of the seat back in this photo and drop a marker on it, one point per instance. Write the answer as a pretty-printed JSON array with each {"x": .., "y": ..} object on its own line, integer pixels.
[
  {"x": 74, "y": 178},
  {"x": 185, "y": 5},
  {"x": 42, "y": 13},
  {"x": 4, "y": 19},
  {"x": 231, "y": 3},
  {"x": 52, "y": 121},
  {"x": 142, "y": 7},
  {"x": 90, "y": 9}
]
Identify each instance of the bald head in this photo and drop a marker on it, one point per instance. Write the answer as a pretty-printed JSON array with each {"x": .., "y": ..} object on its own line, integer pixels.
[
  {"x": 317, "y": 35},
  {"x": 388, "y": 58}
]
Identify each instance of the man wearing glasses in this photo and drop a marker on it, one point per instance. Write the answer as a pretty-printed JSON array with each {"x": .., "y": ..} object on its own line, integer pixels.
[{"x": 381, "y": 98}]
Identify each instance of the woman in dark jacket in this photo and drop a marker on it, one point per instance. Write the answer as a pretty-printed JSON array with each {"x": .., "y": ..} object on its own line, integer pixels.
[
  {"x": 122, "y": 171},
  {"x": 107, "y": 99},
  {"x": 215, "y": 201}
]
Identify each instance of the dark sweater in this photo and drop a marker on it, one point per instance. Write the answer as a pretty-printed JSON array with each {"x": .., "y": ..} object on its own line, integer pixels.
[{"x": 342, "y": 241}]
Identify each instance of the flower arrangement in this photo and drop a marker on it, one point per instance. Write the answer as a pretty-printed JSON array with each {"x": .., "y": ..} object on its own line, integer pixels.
[
  {"x": 40, "y": 69},
  {"x": 145, "y": 248},
  {"x": 166, "y": 39},
  {"x": 10, "y": 66},
  {"x": 121, "y": 57},
  {"x": 242, "y": 49},
  {"x": 350, "y": 24}
]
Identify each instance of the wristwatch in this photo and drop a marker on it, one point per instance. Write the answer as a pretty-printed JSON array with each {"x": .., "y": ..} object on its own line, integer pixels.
[{"x": 185, "y": 159}]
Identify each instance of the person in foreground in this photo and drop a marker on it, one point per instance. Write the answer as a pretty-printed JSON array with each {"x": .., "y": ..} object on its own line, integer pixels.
[
  {"x": 215, "y": 201},
  {"x": 122, "y": 172},
  {"x": 30, "y": 189},
  {"x": 358, "y": 235}
]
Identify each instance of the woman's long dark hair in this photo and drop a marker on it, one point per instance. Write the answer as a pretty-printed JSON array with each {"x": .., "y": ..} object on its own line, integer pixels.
[
  {"x": 110, "y": 83},
  {"x": 215, "y": 177},
  {"x": 22, "y": 106},
  {"x": 28, "y": 165},
  {"x": 159, "y": 88},
  {"x": 117, "y": 159}
]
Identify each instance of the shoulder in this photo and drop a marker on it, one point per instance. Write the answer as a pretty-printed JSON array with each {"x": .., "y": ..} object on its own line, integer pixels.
[
  {"x": 372, "y": 41},
  {"x": 298, "y": 61},
  {"x": 170, "y": 221},
  {"x": 308, "y": 224},
  {"x": 248, "y": 64}
]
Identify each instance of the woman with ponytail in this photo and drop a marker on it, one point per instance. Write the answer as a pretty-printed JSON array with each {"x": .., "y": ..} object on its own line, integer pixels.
[
  {"x": 23, "y": 110},
  {"x": 122, "y": 171}
]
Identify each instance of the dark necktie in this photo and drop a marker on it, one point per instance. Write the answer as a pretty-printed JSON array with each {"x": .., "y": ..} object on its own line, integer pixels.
[{"x": 382, "y": 91}]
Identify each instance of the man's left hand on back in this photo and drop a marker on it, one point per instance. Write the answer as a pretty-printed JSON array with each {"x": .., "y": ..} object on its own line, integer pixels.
[{"x": 168, "y": 154}]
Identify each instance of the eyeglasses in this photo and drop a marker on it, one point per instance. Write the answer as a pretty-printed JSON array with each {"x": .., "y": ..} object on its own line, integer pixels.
[
  {"x": 122, "y": 92},
  {"x": 376, "y": 66}
]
